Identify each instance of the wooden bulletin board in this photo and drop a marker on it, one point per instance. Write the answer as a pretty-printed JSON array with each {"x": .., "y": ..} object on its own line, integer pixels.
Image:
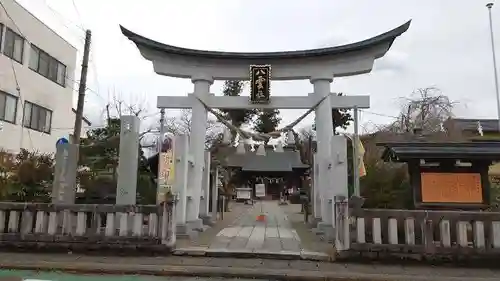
[{"x": 451, "y": 188}]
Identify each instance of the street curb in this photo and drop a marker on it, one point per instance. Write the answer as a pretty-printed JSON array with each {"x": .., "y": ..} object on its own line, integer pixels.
[
  {"x": 245, "y": 254},
  {"x": 227, "y": 272}
]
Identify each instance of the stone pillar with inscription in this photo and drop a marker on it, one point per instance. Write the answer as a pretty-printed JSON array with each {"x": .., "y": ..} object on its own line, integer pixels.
[
  {"x": 216, "y": 183},
  {"x": 339, "y": 170},
  {"x": 205, "y": 192},
  {"x": 64, "y": 185},
  {"x": 128, "y": 160},
  {"x": 316, "y": 192},
  {"x": 126, "y": 188}
]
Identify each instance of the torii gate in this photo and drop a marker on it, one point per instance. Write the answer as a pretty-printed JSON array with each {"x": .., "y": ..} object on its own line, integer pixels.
[{"x": 319, "y": 66}]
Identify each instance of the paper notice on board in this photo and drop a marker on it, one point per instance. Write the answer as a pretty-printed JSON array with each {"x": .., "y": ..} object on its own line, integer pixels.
[{"x": 260, "y": 190}]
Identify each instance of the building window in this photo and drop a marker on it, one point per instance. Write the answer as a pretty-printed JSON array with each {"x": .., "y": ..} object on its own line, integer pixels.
[
  {"x": 14, "y": 45},
  {"x": 37, "y": 118},
  {"x": 8, "y": 107},
  {"x": 47, "y": 66}
]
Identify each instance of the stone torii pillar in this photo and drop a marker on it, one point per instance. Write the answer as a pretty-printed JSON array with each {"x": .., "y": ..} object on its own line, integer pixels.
[
  {"x": 324, "y": 133},
  {"x": 197, "y": 149}
]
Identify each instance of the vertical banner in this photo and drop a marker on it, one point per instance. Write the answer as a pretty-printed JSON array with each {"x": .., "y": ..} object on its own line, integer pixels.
[{"x": 166, "y": 171}]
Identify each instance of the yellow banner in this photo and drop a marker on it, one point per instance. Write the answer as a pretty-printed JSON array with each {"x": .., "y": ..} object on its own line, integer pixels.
[
  {"x": 361, "y": 161},
  {"x": 166, "y": 171}
]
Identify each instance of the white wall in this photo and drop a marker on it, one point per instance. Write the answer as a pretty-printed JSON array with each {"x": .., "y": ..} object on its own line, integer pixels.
[{"x": 33, "y": 86}]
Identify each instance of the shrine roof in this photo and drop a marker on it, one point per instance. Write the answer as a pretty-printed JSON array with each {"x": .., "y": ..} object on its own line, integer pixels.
[
  {"x": 405, "y": 151},
  {"x": 386, "y": 37},
  {"x": 273, "y": 161}
]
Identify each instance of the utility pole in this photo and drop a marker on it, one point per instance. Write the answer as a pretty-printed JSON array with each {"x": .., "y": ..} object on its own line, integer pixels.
[
  {"x": 81, "y": 90},
  {"x": 489, "y": 6}
]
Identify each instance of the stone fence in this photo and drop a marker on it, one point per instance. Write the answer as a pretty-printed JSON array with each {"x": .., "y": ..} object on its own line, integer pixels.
[
  {"x": 417, "y": 234},
  {"x": 87, "y": 227}
]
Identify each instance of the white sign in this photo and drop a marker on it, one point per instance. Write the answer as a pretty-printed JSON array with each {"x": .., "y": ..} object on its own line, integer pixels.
[
  {"x": 244, "y": 193},
  {"x": 260, "y": 190}
]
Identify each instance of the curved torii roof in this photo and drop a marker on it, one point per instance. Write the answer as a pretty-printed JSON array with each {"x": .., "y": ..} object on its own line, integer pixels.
[
  {"x": 388, "y": 36},
  {"x": 344, "y": 60}
]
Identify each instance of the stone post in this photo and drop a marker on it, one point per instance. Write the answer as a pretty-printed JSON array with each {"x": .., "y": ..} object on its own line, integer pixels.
[
  {"x": 339, "y": 170},
  {"x": 316, "y": 192},
  {"x": 215, "y": 193},
  {"x": 126, "y": 188},
  {"x": 205, "y": 192},
  {"x": 342, "y": 228},
  {"x": 128, "y": 160},
  {"x": 197, "y": 150},
  {"x": 324, "y": 129},
  {"x": 64, "y": 185},
  {"x": 180, "y": 181}
]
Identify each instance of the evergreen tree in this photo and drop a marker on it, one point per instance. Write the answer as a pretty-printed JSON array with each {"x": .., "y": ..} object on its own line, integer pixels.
[
  {"x": 267, "y": 121},
  {"x": 237, "y": 117},
  {"x": 341, "y": 118},
  {"x": 99, "y": 152}
]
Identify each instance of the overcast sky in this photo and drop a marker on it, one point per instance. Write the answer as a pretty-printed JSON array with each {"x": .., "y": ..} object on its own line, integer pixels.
[{"x": 447, "y": 45}]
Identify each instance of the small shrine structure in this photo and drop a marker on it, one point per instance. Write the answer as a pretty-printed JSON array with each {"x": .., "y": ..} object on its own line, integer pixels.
[
  {"x": 277, "y": 170},
  {"x": 446, "y": 175}
]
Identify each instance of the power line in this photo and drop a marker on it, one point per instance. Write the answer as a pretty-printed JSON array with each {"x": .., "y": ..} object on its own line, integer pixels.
[
  {"x": 78, "y": 14},
  {"x": 63, "y": 18},
  {"x": 378, "y": 114}
]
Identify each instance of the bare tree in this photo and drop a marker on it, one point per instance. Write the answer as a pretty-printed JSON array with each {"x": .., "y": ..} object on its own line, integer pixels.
[
  {"x": 426, "y": 109},
  {"x": 306, "y": 132},
  {"x": 181, "y": 124}
]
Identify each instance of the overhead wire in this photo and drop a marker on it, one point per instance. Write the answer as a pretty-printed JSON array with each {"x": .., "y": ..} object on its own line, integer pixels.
[
  {"x": 64, "y": 21},
  {"x": 378, "y": 114}
]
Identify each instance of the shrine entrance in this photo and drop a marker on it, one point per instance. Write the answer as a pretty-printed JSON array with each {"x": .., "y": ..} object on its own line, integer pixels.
[{"x": 319, "y": 66}]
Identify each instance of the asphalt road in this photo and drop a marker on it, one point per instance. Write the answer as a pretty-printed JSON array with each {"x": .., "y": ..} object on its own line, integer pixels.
[{"x": 20, "y": 275}]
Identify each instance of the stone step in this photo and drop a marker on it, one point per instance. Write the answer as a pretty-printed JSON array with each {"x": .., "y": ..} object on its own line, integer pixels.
[{"x": 249, "y": 253}]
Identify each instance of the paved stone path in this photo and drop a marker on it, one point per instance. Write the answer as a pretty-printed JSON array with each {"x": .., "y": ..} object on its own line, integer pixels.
[
  {"x": 275, "y": 234},
  {"x": 247, "y": 237}
]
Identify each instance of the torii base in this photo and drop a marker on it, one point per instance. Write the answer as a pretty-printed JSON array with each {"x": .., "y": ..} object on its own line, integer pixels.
[
  {"x": 196, "y": 225},
  {"x": 207, "y": 220}
]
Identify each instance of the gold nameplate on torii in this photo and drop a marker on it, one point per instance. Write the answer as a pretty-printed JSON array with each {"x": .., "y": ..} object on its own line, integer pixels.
[{"x": 260, "y": 83}]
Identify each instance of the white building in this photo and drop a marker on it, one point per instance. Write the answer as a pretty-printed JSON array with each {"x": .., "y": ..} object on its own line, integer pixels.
[{"x": 37, "y": 69}]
